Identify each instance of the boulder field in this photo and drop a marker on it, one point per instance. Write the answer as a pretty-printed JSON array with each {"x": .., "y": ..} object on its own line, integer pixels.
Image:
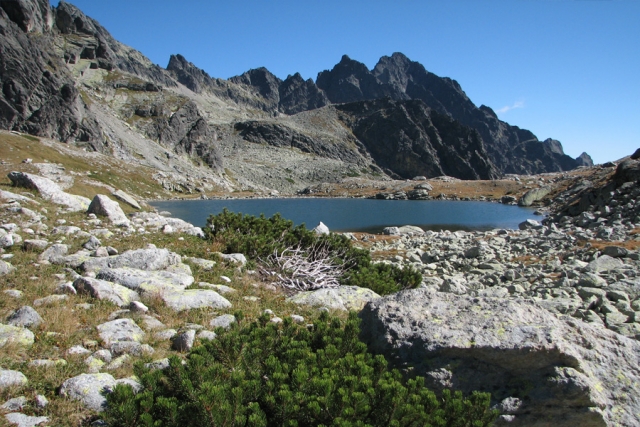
[{"x": 546, "y": 318}]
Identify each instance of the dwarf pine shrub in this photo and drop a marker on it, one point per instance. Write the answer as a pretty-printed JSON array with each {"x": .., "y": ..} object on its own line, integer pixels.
[
  {"x": 259, "y": 237},
  {"x": 264, "y": 374}
]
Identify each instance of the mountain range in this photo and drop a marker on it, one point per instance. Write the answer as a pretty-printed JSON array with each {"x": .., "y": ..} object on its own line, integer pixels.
[{"x": 64, "y": 77}]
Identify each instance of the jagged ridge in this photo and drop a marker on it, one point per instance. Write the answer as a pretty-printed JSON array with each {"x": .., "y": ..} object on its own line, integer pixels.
[{"x": 56, "y": 62}]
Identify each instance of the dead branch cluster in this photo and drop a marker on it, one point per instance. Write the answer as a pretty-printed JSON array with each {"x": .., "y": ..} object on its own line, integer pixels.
[{"x": 300, "y": 269}]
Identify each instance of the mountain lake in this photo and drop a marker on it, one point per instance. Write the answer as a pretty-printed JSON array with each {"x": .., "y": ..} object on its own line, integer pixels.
[{"x": 360, "y": 214}]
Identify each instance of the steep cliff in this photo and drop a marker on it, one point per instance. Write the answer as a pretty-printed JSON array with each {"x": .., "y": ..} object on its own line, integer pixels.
[
  {"x": 407, "y": 138},
  {"x": 38, "y": 91}
]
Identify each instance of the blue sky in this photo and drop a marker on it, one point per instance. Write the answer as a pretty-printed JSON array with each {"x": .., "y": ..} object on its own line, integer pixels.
[{"x": 564, "y": 69}]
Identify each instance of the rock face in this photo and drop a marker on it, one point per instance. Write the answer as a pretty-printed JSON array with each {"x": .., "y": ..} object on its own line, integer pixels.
[
  {"x": 277, "y": 135},
  {"x": 406, "y": 138},
  {"x": 187, "y": 132},
  {"x": 39, "y": 96},
  {"x": 537, "y": 367}
]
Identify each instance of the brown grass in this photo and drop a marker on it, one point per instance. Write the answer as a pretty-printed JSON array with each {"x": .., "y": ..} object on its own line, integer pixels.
[
  {"x": 90, "y": 169},
  {"x": 631, "y": 245}
]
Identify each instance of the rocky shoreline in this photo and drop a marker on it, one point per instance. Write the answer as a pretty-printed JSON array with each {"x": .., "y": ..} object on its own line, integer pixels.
[{"x": 546, "y": 318}]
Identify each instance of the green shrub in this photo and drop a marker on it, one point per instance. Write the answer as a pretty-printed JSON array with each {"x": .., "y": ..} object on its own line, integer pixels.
[
  {"x": 384, "y": 279},
  {"x": 263, "y": 374},
  {"x": 259, "y": 237}
]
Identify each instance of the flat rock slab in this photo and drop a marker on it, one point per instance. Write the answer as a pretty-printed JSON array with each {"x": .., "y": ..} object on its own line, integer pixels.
[
  {"x": 120, "y": 330},
  {"x": 90, "y": 389},
  {"x": 560, "y": 372},
  {"x": 104, "y": 290},
  {"x": 8, "y": 195},
  {"x": 126, "y": 198},
  {"x": 194, "y": 298},
  {"x": 49, "y": 190},
  {"x": 604, "y": 263},
  {"x": 343, "y": 298},
  {"x": 22, "y": 420},
  {"x": 136, "y": 279},
  {"x": 9, "y": 378},
  {"x": 15, "y": 335},
  {"x": 141, "y": 259}
]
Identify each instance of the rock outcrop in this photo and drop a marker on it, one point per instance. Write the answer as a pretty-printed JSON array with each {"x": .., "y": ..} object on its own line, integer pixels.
[
  {"x": 538, "y": 367},
  {"x": 39, "y": 96},
  {"x": 187, "y": 132},
  {"x": 406, "y": 138}
]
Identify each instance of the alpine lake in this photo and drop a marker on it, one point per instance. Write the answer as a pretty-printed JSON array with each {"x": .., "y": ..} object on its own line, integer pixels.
[{"x": 360, "y": 215}]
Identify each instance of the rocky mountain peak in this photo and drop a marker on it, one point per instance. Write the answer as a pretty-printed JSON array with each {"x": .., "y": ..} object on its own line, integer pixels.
[
  {"x": 392, "y": 70},
  {"x": 350, "y": 81},
  {"x": 188, "y": 74},
  {"x": 584, "y": 160},
  {"x": 297, "y": 95},
  {"x": 71, "y": 20},
  {"x": 554, "y": 146},
  {"x": 264, "y": 82}
]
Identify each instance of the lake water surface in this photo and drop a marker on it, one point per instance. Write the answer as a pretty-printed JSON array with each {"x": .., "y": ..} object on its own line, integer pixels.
[{"x": 360, "y": 214}]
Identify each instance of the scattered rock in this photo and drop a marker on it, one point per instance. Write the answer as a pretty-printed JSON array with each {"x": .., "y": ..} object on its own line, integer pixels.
[
  {"x": 90, "y": 389},
  {"x": 533, "y": 196},
  {"x": 102, "y": 205},
  {"x": 5, "y": 268},
  {"x": 341, "y": 298},
  {"x": 321, "y": 228},
  {"x": 184, "y": 341},
  {"x": 223, "y": 321},
  {"x": 16, "y": 335},
  {"x": 25, "y": 316},
  {"x": 34, "y": 245},
  {"x": 120, "y": 330},
  {"x": 9, "y": 378},
  {"x": 22, "y": 420}
]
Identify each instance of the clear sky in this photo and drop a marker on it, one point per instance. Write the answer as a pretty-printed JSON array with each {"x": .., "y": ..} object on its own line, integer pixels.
[{"x": 564, "y": 69}]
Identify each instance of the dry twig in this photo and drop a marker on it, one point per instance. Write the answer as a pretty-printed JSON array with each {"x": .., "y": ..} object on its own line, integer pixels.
[{"x": 303, "y": 270}]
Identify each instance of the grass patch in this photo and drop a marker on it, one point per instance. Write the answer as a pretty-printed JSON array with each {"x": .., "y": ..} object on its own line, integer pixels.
[{"x": 87, "y": 167}]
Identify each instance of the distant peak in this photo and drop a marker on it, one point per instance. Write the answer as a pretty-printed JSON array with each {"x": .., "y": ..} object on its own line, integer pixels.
[{"x": 399, "y": 55}]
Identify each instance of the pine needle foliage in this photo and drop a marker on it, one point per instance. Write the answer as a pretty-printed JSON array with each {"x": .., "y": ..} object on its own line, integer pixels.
[
  {"x": 260, "y": 237},
  {"x": 265, "y": 374}
]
